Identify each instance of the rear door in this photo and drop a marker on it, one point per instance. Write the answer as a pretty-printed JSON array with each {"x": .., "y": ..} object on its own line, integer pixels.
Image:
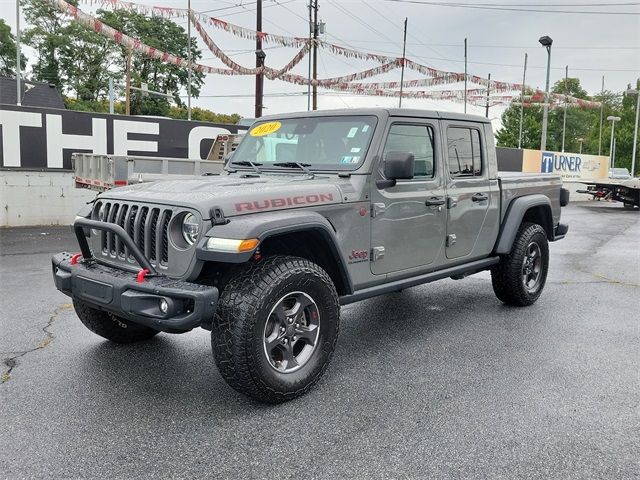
[
  {"x": 469, "y": 198},
  {"x": 408, "y": 224}
]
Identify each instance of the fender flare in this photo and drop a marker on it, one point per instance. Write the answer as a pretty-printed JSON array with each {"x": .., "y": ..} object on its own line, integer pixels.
[
  {"x": 513, "y": 219},
  {"x": 265, "y": 225}
]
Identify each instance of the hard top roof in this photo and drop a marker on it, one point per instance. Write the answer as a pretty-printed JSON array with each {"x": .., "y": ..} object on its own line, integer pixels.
[{"x": 382, "y": 112}]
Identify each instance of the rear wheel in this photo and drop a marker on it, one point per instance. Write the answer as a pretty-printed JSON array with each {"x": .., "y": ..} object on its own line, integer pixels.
[
  {"x": 275, "y": 328},
  {"x": 110, "y": 326},
  {"x": 520, "y": 276}
]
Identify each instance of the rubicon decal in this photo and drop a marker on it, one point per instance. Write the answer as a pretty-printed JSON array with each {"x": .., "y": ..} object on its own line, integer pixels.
[{"x": 271, "y": 203}]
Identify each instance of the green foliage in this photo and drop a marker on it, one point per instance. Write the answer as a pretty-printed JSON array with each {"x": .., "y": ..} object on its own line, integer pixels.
[
  {"x": 45, "y": 36},
  {"x": 582, "y": 123},
  {"x": 203, "y": 115},
  {"x": 8, "y": 51},
  {"x": 179, "y": 113},
  {"x": 163, "y": 34},
  {"x": 87, "y": 61},
  {"x": 79, "y": 62},
  {"x": 570, "y": 86}
]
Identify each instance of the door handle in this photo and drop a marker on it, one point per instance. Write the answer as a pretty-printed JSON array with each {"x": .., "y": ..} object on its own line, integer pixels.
[
  {"x": 480, "y": 197},
  {"x": 434, "y": 201}
]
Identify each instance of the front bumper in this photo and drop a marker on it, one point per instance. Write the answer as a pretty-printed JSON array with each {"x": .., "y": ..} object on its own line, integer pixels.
[{"x": 189, "y": 305}]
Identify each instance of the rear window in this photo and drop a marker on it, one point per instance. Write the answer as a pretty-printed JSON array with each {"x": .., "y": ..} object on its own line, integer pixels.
[{"x": 464, "y": 152}]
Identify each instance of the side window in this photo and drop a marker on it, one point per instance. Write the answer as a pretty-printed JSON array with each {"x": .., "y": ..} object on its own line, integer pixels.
[
  {"x": 465, "y": 154},
  {"x": 417, "y": 139}
]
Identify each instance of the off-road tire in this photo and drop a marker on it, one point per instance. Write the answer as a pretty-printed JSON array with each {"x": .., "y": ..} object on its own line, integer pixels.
[
  {"x": 237, "y": 334},
  {"x": 506, "y": 276},
  {"x": 110, "y": 326}
]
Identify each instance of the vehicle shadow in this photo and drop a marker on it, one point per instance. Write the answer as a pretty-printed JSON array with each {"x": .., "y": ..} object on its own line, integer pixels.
[
  {"x": 179, "y": 369},
  {"x": 166, "y": 370}
]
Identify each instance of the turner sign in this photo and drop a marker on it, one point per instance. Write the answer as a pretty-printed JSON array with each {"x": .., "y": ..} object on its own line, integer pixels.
[
  {"x": 41, "y": 138},
  {"x": 571, "y": 166}
]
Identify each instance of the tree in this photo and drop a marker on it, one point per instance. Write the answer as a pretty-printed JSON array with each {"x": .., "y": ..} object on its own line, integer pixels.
[
  {"x": 507, "y": 136},
  {"x": 163, "y": 34},
  {"x": 45, "y": 36},
  {"x": 87, "y": 60},
  {"x": 581, "y": 122},
  {"x": 8, "y": 51},
  {"x": 203, "y": 115},
  {"x": 570, "y": 86}
]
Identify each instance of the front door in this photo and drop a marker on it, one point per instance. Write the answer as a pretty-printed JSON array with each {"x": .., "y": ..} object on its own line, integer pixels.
[
  {"x": 468, "y": 189},
  {"x": 408, "y": 224}
]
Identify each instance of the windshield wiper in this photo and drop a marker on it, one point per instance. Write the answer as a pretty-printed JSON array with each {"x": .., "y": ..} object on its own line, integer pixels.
[
  {"x": 248, "y": 163},
  {"x": 301, "y": 166}
]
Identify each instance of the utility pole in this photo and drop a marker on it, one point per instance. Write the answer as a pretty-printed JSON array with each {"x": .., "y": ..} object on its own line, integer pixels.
[
  {"x": 310, "y": 55},
  {"x": 546, "y": 42},
  {"x": 111, "y": 95},
  {"x": 465, "y": 75},
  {"x": 486, "y": 111},
  {"x": 566, "y": 99},
  {"x": 315, "y": 54},
  {"x": 127, "y": 110},
  {"x": 189, "y": 60},
  {"x": 524, "y": 79},
  {"x": 601, "y": 117},
  {"x": 18, "y": 72},
  {"x": 404, "y": 50},
  {"x": 259, "y": 60}
]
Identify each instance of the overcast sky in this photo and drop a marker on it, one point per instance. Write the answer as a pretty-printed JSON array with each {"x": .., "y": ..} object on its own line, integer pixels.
[{"x": 591, "y": 45}]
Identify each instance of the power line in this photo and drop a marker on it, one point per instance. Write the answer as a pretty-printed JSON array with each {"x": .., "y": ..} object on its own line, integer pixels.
[
  {"x": 479, "y": 6},
  {"x": 519, "y": 47},
  {"x": 409, "y": 33}
]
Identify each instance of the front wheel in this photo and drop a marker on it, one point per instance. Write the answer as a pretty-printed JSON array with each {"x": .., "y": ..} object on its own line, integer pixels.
[
  {"x": 520, "y": 276},
  {"x": 275, "y": 328}
]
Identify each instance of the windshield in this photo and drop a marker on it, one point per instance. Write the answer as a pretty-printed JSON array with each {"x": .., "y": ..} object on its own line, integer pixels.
[{"x": 321, "y": 143}]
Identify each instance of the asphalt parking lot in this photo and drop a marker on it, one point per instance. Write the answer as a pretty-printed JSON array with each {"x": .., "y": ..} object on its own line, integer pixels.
[{"x": 438, "y": 381}]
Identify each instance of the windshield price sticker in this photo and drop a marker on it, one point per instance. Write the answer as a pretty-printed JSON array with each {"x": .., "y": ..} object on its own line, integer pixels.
[{"x": 265, "y": 129}]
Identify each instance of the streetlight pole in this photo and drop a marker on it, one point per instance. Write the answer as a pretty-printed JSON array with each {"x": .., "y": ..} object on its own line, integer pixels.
[
  {"x": 634, "y": 91},
  {"x": 612, "y": 152},
  {"x": 581, "y": 140},
  {"x": 18, "y": 72},
  {"x": 566, "y": 93},
  {"x": 546, "y": 42}
]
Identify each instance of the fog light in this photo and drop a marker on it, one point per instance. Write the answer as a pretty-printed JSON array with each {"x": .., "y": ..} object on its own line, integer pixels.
[{"x": 164, "y": 306}]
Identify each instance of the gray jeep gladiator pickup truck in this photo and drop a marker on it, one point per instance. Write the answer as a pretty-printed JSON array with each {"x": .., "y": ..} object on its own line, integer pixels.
[{"x": 313, "y": 211}]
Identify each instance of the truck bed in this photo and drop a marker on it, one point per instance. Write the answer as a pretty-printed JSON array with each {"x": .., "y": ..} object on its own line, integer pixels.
[
  {"x": 102, "y": 172},
  {"x": 518, "y": 184}
]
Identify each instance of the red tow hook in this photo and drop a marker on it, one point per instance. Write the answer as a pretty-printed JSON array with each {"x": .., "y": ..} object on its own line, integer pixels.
[
  {"x": 141, "y": 274},
  {"x": 74, "y": 258}
]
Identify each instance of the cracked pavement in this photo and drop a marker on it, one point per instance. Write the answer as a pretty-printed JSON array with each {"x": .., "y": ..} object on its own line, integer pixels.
[{"x": 438, "y": 381}]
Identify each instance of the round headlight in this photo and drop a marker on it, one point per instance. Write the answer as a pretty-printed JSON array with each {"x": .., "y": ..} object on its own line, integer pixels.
[
  {"x": 101, "y": 213},
  {"x": 190, "y": 228},
  {"x": 99, "y": 216}
]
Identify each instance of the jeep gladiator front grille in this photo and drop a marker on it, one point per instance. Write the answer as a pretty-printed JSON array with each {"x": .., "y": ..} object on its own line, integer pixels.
[{"x": 148, "y": 227}]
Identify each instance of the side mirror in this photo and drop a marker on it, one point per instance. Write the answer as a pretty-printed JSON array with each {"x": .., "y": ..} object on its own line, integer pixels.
[{"x": 397, "y": 166}]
